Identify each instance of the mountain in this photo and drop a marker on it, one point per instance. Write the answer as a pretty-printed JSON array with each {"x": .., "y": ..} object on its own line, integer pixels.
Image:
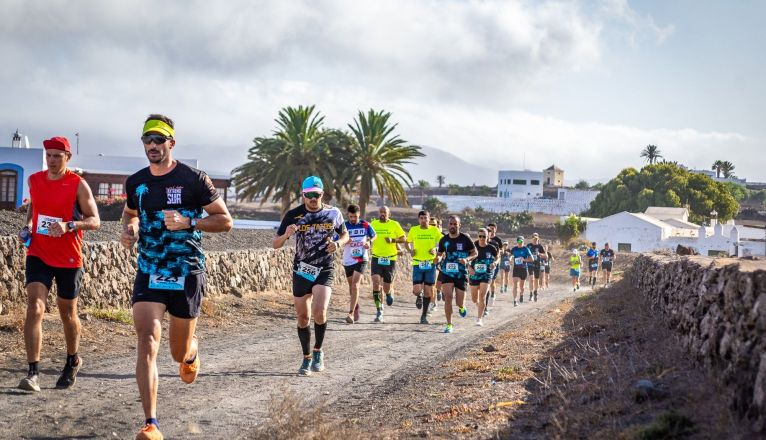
[{"x": 454, "y": 169}]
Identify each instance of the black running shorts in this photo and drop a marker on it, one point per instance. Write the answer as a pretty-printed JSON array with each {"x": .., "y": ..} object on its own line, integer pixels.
[
  {"x": 358, "y": 267},
  {"x": 607, "y": 266},
  {"x": 534, "y": 270},
  {"x": 67, "y": 279},
  {"x": 386, "y": 272},
  {"x": 520, "y": 272},
  {"x": 184, "y": 304},
  {"x": 459, "y": 282},
  {"x": 303, "y": 286}
]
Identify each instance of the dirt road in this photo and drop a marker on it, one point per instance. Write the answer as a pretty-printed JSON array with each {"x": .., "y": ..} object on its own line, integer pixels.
[{"x": 242, "y": 367}]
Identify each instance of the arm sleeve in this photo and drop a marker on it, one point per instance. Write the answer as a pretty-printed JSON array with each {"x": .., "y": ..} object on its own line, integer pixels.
[
  {"x": 286, "y": 221},
  {"x": 340, "y": 224},
  {"x": 130, "y": 192},
  {"x": 206, "y": 192}
]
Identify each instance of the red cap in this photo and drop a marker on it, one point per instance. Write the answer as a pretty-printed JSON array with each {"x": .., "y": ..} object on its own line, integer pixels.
[{"x": 57, "y": 143}]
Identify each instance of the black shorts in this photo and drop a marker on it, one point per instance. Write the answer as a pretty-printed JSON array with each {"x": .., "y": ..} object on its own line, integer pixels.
[
  {"x": 547, "y": 268},
  {"x": 593, "y": 267},
  {"x": 184, "y": 304},
  {"x": 520, "y": 272},
  {"x": 534, "y": 270},
  {"x": 68, "y": 279},
  {"x": 303, "y": 286},
  {"x": 358, "y": 267},
  {"x": 460, "y": 282},
  {"x": 478, "y": 281},
  {"x": 385, "y": 272},
  {"x": 607, "y": 266}
]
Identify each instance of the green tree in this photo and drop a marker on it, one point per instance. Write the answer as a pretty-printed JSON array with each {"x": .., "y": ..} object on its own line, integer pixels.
[
  {"x": 651, "y": 153},
  {"x": 737, "y": 191},
  {"x": 727, "y": 168},
  {"x": 440, "y": 180},
  {"x": 423, "y": 185},
  {"x": 582, "y": 184},
  {"x": 570, "y": 228},
  {"x": 664, "y": 184},
  {"x": 717, "y": 165},
  {"x": 380, "y": 157},
  {"x": 436, "y": 207}
]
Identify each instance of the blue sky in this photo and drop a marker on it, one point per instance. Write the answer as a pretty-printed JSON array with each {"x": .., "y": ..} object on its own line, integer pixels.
[{"x": 584, "y": 84}]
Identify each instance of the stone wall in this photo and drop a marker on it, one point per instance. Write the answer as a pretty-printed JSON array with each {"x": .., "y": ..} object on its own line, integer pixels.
[
  {"x": 718, "y": 306},
  {"x": 110, "y": 269}
]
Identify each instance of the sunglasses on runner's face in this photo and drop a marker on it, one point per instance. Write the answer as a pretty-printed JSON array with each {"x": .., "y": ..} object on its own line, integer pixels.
[
  {"x": 482, "y": 236},
  {"x": 156, "y": 138},
  {"x": 312, "y": 195}
]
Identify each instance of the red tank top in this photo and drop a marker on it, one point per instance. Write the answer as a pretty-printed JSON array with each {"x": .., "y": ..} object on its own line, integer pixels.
[{"x": 55, "y": 201}]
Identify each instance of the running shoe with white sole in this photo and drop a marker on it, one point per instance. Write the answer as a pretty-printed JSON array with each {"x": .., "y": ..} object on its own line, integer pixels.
[
  {"x": 69, "y": 375},
  {"x": 479, "y": 322},
  {"x": 463, "y": 312},
  {"x": 317, "y": 363},
  {"x": 449, "y": 328},
  {"x": 305, "y": 369},
  {"x": 389, "y": 299},
  {"x": 379, "y": 316},
  {"x": 486, "y": 312},
  {"x": 30, "y": 383},
  {"x": 419, "y": 301}
]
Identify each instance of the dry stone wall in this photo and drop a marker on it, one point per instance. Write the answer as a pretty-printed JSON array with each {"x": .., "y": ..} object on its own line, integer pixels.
[
  {"x": 719, "y": 308},
  {"x": 110, "y": 269}
]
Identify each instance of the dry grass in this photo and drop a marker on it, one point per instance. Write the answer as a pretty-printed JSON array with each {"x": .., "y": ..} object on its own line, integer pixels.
[
  {"x": 471, "y": 365},
  {"x": 123, "y": 316}
]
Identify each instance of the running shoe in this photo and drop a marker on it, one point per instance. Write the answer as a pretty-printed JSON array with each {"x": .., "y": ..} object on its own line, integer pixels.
[
  {"x": 419, "y": 301},
  {"x": 486, "y": 311},
  {"x": 521, "y": 297},
  {"x": 149, "y": 432},
  {"x": 188, "y": 372},
  {"x": 305, "y": 369},
  {"x": 479, "y": 322},
  {"x": 514, "y": 303},
  {"x": 349, "y": 318},
  {"x": 69, "y": 375},
  {"x": 424, "y": 320},
  {"x": 449, "y": 328},
  {"x": 439, "y": 296},
  {"x": 578, "y": 286},
  {"x": 530, "y": 295},
  {"x": 379, "y": 316},
  {"x": 463, "y": 312},
  {"x": 389, "y": 299},
  {"x": 431, "y": 307},
  {"x": 535, "y": 295},
  {"x": 317, "y": 364},
  {"x": 30, "y": 383},
  {"x": 356, "y": 313},
  {"x": 491, "y": 301}
]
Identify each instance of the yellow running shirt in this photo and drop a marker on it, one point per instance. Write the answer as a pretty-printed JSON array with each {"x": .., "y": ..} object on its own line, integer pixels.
[
  {"x": 389, "y": 229},
  {"x": 574, "y": 262},
  {"x": 423, "y": 240}
]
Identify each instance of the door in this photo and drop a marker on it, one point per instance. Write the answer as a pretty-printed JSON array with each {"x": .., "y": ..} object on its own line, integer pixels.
[{"x": 8, "y": 182}]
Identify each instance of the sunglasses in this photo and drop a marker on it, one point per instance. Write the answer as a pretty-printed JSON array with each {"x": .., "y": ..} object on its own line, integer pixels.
[
  {"x": 312, "y": 195},
  {"x": 482, "y": 236},
  {"x": 155, "y": 138}
]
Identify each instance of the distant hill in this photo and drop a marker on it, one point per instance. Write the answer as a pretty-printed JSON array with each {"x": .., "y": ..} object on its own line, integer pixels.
[{"x": 454, "y": 169}]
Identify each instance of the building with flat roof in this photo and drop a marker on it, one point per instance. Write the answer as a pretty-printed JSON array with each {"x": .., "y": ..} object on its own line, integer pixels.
[
  {"x": 519, "y": 184},
  {"x": 553, "y": 176}
]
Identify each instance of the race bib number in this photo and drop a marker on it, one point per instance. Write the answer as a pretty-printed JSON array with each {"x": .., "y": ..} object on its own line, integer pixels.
[
  {"x": 308, "y": 271},
  {"x": 607, "y": 259},
  {"x": 164, "y": 282},
  {"x": 594, "y": 266},
  {"x": 518, "y": 261},
  {"x": 44, "y": 223},
  {"x": 451, "y": 267},
  {"x": 357, "y": 251},
  {"x": 383, "y": 261},
  {"x": 507, "y": 263},
  {"x": 425, "y": 265},
  {"x": 480, "y": 268}
]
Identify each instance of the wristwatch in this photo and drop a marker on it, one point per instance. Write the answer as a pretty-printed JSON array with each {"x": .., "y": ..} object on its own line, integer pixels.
[
  {"x": 71, "y": 226},
  {"x": 193, "y": 223}
]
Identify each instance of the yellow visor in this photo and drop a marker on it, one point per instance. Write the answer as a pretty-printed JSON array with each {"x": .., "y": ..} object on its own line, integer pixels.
[{"x": 159, "y": 127}]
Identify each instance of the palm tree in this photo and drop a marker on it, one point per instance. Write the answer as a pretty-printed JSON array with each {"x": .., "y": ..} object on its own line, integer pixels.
[
  {"x": 717, "y": 167},
  {"x": 423, "y": 185},
  {"x": 380, "y": 158},
  {"x": 651, "y": 153},
  {"x": 727, "y": 168},
  {"x": 440, "y": 180}
]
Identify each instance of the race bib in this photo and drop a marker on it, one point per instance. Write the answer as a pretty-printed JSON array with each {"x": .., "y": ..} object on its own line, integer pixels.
[
  {"x": 607, "y": 259},
  {"x": 594, "y": 266},
  {"x": 384, "y": 261},
  {"x": 451, "y": 267},
  {"x": 507, "y": 263},
  {"x": 308, "y": 271},
  {"x": 425, "y": 265},
  {"x": 44, "y": 223},
  {"x": 357, "y": 251},
  {"x": 480, "y": 268},
  {"x": 518, "y": 261},
  {"x": 164, "y": 282}
]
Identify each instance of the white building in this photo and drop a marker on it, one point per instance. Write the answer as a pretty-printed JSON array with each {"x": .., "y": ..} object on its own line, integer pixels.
[
  {"x": 666, "y": 228},
  {"x": 517, "y": 185},
  {"x": 16, "y": 165}
]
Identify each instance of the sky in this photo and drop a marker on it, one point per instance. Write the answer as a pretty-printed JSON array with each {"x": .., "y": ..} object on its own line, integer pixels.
[{"x": 500, "y": 84}]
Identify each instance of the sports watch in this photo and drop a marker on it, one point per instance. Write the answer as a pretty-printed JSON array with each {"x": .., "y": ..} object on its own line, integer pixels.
[
  {"x": 71, "y": 226},
  {"x": 193, "y": 223}
]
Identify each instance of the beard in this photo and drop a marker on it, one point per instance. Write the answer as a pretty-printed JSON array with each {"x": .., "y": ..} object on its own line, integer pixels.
[{"x": 157, "y": 159}]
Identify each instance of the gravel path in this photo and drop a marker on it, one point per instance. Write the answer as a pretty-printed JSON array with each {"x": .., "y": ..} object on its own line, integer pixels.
[{"x": 241, "y": 368}]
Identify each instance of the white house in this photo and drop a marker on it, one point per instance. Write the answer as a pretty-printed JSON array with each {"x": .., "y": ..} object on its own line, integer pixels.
[
  {"x": 666, "y": 228},
  {"x": 16, "y": 165},
  {"x": 517, "y": 185}
]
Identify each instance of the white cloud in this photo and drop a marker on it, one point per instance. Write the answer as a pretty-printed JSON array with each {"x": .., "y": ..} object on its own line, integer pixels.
[{"x": 638, "y": 26}]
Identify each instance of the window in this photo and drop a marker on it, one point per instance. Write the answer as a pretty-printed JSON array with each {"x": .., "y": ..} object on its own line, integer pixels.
[
  {"x": 103, "y": 189},
  {"x": 623, "y": 247},
  {"x": 534, "y": 182},
  {"x": 117, "y": 190},
  {"x": 8, "y": 183},
  {"x": 519, "y": 181}
]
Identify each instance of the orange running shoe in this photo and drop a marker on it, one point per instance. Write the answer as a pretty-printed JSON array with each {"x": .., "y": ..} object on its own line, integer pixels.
[
  {"x": 149, "y": 432},
  {"x": 188, "y": 372}
]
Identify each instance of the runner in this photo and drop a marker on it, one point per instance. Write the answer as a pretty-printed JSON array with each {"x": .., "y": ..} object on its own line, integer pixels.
[
  {"x": 574, "y": 269},
  {"x": 480, "y": 272},
  {"x": 165, "y": 204},
  {"x": 384, "y": 253},
  {"x": 607, "y": 258},
  {"x": 497, "y": 242},
  {"x": 521, "y": 257},
  {"x": 455, "y": 249},
  {"x": 314, "y": 226},
  {"x": 539, "y": 256},
  {"x": 424, "y": 240},
  {"x": 592, "y": 255},
  {"x": 355, "y": 257},
  {"x": 438, "y": 285},
  {"x": 548, "y": 264},
  {"x": 505, "y": 266},
  {"x": 61, "y": 207}
]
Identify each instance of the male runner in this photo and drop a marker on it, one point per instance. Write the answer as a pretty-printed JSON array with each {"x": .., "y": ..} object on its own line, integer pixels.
[
  {"x": 497, "y": 242},
  {"x": 480, "y": 272},
  {"x": 539, "y": 256},
  {"x": 607, "y": 258},
  {"x": 355, "y": 257},
  {"x": 423, "y": 240},
  {"x": 521, "y": 257},
  {"x": 438, "y": 286},
  {"x": 548, "y": 264},
  {"x": 505, "y": 267},
  {"x": 574, "y": 269},
  {"x": 314, "y": 226},
  {"x": 61, "y": 206},
  {"x": 165, "y": 205},
  {"x": 455, "y": 249},
  {"x": 384, "y": 253},
  {"x": 592, "y": 255}
]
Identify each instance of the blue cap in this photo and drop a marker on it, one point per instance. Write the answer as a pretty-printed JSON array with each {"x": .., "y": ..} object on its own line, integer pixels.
[{"x": 312, "y": 184}]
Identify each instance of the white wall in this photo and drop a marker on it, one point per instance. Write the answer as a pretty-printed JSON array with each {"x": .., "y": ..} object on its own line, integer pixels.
[
  {"x": 625, "y": 228},
  {"x": 506, "y": 189},
  {"x": 544, "y": 206},
  {"x": 27, "y": 160}
]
